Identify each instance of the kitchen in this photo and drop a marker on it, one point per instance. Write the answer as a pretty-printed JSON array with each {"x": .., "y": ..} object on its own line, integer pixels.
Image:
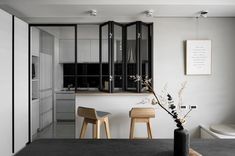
[{"x": 98, "y": 64}]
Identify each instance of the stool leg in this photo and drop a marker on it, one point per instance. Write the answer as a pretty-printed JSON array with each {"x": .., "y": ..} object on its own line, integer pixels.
[
  {"x": 94, "y": 131},
  {"x": 106, "y": 124},
  {"x": 132, "y": 128},
  {"x": 83, "y": 130},
  {"x": 98, "y": 129},
  {"x": 149, "y": 127}
]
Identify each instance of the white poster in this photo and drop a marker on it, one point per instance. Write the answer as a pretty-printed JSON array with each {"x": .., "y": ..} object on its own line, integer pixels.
[{"x": 198, "y": 57}]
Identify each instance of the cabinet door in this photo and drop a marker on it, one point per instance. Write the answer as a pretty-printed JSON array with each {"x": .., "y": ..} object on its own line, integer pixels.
[
  {"x": 35, "y": 116},
  {"x": 94, "y": 51},
  {"x": 46, "y": 43},
  {"x": 45, "y": 71},
  {"x": 67, "y": 51},
  {"x": 83, "y": 50},
  {"x": 35, "y": 35},
  {"x": 21, "y": 90},
  {"x": 6, "y": 83}
]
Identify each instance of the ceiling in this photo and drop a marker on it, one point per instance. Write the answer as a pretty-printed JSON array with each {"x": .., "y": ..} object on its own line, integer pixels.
[{"x": 31, "y": 10}]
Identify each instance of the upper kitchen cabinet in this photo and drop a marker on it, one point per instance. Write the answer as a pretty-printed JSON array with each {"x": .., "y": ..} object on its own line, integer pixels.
[
  {"x": 67, "y": 44},
  {"x": 83, "y": 50},
  {"x": 67, "y": 50},
  {"x": 35, "y": 42},
  {"x": 88, "y": 44}
]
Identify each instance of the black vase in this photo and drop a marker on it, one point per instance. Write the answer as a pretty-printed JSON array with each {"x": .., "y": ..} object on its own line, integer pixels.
[{"x": 181, "y": 142}]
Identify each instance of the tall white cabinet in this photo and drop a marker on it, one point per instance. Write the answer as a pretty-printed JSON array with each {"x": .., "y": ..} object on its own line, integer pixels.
[
  {"x": 6, "y": 83},
  {"x": 21, "y": 81},
  {"x": 14, "y": 92}
]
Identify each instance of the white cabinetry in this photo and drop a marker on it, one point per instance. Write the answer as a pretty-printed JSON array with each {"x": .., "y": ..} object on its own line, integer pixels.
[
  {"x": 46, "y": 71},
  {"x": 35, "y": 35},
  {"x": 67, "y": 51},
  {"x": 83, "y": 50},
  {"x": 87, "y": 46},
  {"x": 94, "y": 51},
  {"x": 88, "y": 51},
  {"x": 35, "y": 116},
  {"x": 35, "y": 51},
  {"x": 65, "y": 106},
  {"x": 6, "y": 83},
  {"x": 21, "y": 79}
]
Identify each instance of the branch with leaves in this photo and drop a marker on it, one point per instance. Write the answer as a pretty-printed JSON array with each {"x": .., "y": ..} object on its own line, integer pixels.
[{"x": 147, "y": 85}]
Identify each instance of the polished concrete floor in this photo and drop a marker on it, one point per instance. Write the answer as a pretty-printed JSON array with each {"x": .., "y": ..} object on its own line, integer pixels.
[{"x": 57, "y": 130}]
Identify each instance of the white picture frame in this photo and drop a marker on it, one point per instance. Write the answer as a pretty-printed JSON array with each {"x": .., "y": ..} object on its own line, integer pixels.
[{"x": 198, "y": 57}]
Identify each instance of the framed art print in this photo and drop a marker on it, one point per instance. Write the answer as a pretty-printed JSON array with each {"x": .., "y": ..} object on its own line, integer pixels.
[{"x": 198, "y": 57}]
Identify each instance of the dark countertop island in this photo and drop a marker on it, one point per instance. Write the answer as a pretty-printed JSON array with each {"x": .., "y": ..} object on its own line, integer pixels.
[{"x": 123, "y": 147}]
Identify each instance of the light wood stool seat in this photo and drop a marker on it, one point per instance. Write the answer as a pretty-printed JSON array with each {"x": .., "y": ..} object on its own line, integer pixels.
[
  {"x": 141, "y": 115},
  {"x": 96, "y": 118}
]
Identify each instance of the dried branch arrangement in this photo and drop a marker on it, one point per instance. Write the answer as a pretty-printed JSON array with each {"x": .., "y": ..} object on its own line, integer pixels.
[{"x": 171, "y": 110}]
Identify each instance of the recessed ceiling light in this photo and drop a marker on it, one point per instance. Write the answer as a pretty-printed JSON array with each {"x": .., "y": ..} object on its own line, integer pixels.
[
  {"x": 149, "y": 13},
  {"x": 93, "y": 12}
]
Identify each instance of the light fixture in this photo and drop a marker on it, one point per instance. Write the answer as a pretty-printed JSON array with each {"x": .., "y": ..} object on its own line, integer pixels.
[
  {"x": 203, "y": 13},
  {"x": 149, "y": 13},
  {"x": 93, "y": 12}
]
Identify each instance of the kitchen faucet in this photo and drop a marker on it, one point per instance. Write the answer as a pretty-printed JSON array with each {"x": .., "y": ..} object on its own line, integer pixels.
[{"x": 69, "y": 86}]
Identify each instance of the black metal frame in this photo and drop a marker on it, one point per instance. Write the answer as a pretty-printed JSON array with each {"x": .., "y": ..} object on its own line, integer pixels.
[
  {"x": 100, "y": 54},
  {"x": 13, "y": 83},
  {"x": 124, "y": 56},
  {"x": 111, "y": 34},
  {"x": 139, "y": 25},
  {"x": 29, "y": 54}
]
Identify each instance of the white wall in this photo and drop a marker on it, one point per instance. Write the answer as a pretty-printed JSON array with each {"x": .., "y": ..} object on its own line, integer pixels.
[{"x": 214, "y": 94}]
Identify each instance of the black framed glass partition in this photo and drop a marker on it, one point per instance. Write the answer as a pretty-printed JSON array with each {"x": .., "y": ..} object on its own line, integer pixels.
[
  {"x": 111, "y": 57},
  {"x": 138, "y": 54},
  {"x": 131, "y": 56},
  {"x": 105, "y": 61},
  {"x": 125, "y": 51},
  {"x": 118, "y": 57},
  {"x": 145, "y": 52}
]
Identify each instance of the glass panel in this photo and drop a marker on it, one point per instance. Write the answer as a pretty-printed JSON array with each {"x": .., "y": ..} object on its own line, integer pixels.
[
  {"x": 104, "y": 58},
  {"x": 53, "y": 50},
  {"x": 131, "y": 55},
  {"x": 144, "y": 51},
  {"x": 118, "y": 57}
]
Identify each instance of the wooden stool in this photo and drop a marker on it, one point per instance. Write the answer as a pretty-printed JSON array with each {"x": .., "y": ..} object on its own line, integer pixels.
[
  {"x": 96, "y": 118},
  {"x": 141, "y": 115}
]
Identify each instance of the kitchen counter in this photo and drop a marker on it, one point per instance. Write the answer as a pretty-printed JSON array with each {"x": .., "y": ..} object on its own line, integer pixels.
[
  {"x": 119, "y": 105},
  {"x": 97, "y": 93}
]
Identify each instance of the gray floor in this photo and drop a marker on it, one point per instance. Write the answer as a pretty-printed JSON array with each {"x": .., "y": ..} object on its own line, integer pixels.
[{"x": 59, "y": 130}]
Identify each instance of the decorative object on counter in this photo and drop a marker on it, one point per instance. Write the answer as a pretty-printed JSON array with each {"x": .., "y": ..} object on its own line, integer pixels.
[{"x": 181, "y": 136}]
